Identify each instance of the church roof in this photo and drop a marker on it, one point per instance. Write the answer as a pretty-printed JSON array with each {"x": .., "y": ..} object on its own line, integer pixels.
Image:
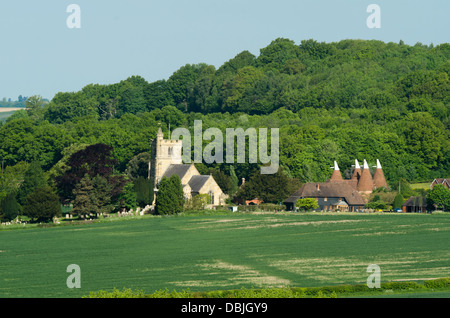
[
  {"x": 178, "y": 169},
  {"x": 197, "y": 182}
]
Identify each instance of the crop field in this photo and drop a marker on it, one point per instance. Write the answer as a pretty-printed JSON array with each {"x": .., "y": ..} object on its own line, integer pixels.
[
  {"x": 214, "y": 252},
  {"x": 5, "y": 114}
]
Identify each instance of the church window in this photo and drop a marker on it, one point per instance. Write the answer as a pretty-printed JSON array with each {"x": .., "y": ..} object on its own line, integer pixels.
[{"x": 211, "y": 194}]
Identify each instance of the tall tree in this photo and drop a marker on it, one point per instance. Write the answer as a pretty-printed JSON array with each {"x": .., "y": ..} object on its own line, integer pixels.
[
  {"x": 42, "y": 204},
  {"x": 34, "y": 106},
  {"x": 9, "y": 208},
  {"x": 144, "y": 191},
  {"x": 270, "y": 188},
  {"x": 138, "y": 166},
  {"x": 169, "y": 198},
  {"x": 439, "y": 196},
  {"x": 34, "y": 178},
  {"x": 94, "y": 160},
  {"x": 83, "y": 203}
]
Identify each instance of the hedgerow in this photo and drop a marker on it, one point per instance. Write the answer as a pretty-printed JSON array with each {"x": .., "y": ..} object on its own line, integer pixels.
[{"x": 285, "y": 292}]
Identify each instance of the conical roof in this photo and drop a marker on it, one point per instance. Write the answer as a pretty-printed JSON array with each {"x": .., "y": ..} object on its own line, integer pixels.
[
  {"x": 336, "y": 175},
  {"x": 365, "y": 183},
  {"x": 378, "y": 177},
  {"x": 357, "y": 172}
]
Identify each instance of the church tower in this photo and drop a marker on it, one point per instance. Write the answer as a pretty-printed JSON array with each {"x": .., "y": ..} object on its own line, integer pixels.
[{"x": 164, "y": 152}]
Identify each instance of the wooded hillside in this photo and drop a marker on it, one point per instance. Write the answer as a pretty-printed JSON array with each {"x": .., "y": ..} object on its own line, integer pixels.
[{"x": 353, "y": 99}]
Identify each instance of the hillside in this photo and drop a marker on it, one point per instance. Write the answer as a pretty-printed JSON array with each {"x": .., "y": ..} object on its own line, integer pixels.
[{"x": 352, "y": 99}]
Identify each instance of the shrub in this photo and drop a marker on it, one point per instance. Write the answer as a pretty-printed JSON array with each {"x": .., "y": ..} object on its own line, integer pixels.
[
  {"x": 125, "y": 293},
  {"x": 400, "y": 285},
  {"x": 262, "y": 207},
  {"x": 164, "y": 293},
  {"x": 437, "y": 283}
]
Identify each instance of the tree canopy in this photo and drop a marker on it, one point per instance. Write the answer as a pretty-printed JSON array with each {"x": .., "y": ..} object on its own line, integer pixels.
[{"x": 346, "y": 100}]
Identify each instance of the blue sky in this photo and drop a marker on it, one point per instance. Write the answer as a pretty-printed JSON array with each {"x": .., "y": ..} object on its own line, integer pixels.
[{"x": 40, "y": 55}]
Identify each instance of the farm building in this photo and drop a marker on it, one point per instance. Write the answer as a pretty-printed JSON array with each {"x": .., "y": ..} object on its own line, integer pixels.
[
  {"x": 444, "y": 181},
  {"x": 330, "y": 196},
  {"x": 362, "y": 179},
  {"x": 415, "y": 204},
  {"x": 339, "y": 193}
]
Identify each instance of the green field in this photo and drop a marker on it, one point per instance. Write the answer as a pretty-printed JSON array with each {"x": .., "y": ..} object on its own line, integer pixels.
[
  {"x": 213, "y": 252},
  {"x": 423, "y": 185},
  {"x": 4, "y": 115}
]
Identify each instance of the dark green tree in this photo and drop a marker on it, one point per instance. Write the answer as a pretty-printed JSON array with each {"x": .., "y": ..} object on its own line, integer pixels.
[
  {"x": 83, "y": 203},
  {"x": 101, "y": 195},
  {"x": 42, "y": 204},
  {"x": 398, "y": 201},
  {"x": 178, "y": 192},
  {"x": 9, "y": 208},
  {"x": 94, "y": 160},
  {"x": 138, "y": 166},
  {"x": 34, "y": 178},
  {"x": 270, "y": 188},
  {"x": 169, "y": 198},
  {"x": 144, "y": 191},
  {"x": 128, "y": 198},
  {"x": 92, "y": 196}
]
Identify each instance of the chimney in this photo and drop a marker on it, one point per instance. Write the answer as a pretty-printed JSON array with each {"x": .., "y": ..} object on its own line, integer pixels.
[{"x": 317, "y": 187}]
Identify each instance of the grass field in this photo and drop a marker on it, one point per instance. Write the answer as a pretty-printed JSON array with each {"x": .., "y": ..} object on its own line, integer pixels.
[
  {"x": 423, "y": 185},
  {"x": 213, "y": 252},
  {"x": 6, "y": 114}
]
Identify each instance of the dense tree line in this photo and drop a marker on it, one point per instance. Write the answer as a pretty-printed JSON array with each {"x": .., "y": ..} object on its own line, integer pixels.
[{"x": 347, "y": 100}]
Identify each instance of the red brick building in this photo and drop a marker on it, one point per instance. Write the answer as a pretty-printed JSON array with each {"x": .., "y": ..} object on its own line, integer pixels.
[{"x": 445, "y": 182}]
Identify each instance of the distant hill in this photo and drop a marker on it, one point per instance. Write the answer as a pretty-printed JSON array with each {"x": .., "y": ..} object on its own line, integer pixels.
[{"x": 346, "y": 74}]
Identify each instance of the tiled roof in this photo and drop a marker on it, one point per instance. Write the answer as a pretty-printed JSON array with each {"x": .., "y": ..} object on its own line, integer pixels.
[
  {"x": 178, "y": 169},
  {"x": 197, "y": 182},
  {"x": 328, "y": 190}
]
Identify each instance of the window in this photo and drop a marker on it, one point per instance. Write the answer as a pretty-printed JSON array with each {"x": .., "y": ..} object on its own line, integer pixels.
[
  {"x": 211, "y": 194},
  {"x": 325, "y": 199}
]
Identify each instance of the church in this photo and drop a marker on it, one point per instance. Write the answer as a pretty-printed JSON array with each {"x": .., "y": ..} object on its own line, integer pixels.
[{"x": 166, "y": 160}]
